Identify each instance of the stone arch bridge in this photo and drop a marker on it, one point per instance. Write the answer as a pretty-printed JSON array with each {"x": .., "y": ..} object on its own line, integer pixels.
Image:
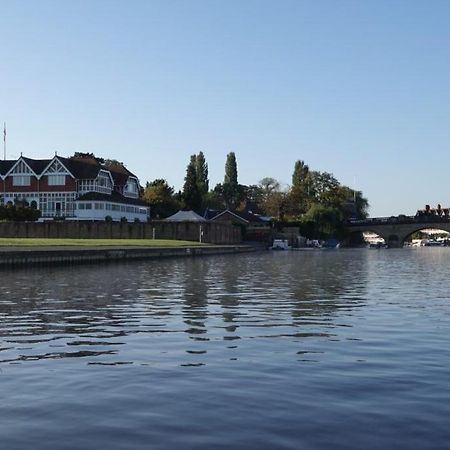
[{"x": 395, "y": 230}]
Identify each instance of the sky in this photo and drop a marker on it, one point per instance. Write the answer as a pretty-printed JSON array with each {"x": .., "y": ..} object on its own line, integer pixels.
[{"x": 358, "y": 88}]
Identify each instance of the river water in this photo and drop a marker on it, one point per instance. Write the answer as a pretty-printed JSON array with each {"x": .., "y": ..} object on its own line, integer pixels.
[{"x": 275, "y": 350}]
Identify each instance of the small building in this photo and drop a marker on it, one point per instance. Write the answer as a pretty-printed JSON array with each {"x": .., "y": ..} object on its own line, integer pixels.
[
  {"x": 78, "y": 188},
  {"x": 254, "y": 227}
]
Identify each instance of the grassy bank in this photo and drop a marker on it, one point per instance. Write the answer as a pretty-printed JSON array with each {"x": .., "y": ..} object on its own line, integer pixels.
[{"x": 37, "y": 242}]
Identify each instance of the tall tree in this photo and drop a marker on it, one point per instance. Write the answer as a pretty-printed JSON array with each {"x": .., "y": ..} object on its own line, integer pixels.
[
  {"x": 299, "y": 199},
  {"x": 231, "y": 190},
  {"x": 231, "y": 175},
  {"x": 299, "y": 177},
  {"x": 192, "y": 196},
  {"x": 201, "y": 169}
]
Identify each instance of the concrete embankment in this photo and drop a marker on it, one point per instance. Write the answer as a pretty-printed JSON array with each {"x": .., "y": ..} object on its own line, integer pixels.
[{"x": 26, "y": 256}]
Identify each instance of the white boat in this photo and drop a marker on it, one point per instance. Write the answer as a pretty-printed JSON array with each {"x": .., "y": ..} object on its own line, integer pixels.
[{"x": 280, "y": 244}]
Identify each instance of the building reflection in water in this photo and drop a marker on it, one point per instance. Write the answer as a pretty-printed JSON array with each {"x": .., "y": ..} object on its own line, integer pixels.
[{"x": 139, "y": 312}]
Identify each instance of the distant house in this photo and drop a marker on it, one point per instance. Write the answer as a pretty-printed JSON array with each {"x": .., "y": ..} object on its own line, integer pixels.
[
  {"x": 253, "y": 226},
  {"x": 81, "y": 188}
]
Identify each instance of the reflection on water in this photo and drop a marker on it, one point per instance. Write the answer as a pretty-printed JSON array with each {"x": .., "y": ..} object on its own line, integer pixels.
[
  {"x": 90, "y": 312},
  {"x": 272, "y": 350}
]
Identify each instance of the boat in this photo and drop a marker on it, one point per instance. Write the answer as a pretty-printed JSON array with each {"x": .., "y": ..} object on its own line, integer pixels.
[{"x": 280, "y": 244}]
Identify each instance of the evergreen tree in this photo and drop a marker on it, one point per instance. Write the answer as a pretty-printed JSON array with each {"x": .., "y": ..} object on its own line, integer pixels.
[
  {"x": 232, "y": 192},
  {"x": 201, "y": 170},
  {"x": 231, "y": 176},
  {"x": 191, "y": 194}
]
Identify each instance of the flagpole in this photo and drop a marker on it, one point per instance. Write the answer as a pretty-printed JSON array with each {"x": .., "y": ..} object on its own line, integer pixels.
[{"x": 4, "y": 141}]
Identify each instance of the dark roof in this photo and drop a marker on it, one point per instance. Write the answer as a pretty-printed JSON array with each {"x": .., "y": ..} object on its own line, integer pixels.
[
  {"x": 5, "y": 165},
  {"x": 36, "y": 165},
  {"x": 119, "y": 173},
  {"x": 82, "y": 168},
  {"x": 249, "y": 216},
  {"x": 115, "y": 197}
]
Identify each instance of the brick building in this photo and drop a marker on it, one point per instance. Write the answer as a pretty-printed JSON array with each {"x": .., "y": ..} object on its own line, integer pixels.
[{"x": 80, "y": 187}]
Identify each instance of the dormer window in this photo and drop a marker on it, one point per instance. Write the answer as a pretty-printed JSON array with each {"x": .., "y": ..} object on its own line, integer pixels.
[
  {"x": 131, "y": 188},
  {"x": 103, "y": 182}
]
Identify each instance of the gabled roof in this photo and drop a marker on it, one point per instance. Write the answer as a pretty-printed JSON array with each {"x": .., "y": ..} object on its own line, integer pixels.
[
  {"x": 242, "y": 216},
  {"x": 83, "y": 168},
  {"x": 50, "y": 163},
  {"x": 36, "y": 165},
  {"x": 17, "y": 162},
  {"x": 185, "y": 216},
  {"x": 232, "y": 214}
]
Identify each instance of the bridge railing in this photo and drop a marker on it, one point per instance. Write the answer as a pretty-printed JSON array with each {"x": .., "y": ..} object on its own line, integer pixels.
[{"x": 422, "y": 218}]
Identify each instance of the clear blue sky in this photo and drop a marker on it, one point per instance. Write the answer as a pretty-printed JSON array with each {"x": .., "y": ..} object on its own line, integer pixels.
[{"x": 357, "y": 88}]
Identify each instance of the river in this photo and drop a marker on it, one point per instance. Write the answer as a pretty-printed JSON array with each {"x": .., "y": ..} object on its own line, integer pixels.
[{"x": 274, "y": 350}]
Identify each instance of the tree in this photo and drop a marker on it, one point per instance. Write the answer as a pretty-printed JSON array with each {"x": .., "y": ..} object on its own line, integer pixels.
[
  {"x": 232, "y": 192},
  {"x": 299, "y": 198},
  {"x": 201, "y": 170},
  {"x": 322, "y": 187},
  {"x": 271, "y": 200},
  {"x": 161, "y": 198},
  {"x": 322, "y": 222},
  {"x": 231, "y": 176},
  {"x": 299, "y": 177},
  {"x": 192, "y": 196}
]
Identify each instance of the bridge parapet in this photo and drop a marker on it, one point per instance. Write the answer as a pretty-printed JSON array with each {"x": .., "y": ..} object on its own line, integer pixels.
[
  {"x": 431, "y": 219},
  {"x": 394, "y": 230}
]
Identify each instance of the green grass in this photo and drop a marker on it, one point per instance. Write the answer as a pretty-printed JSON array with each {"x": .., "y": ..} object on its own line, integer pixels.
[{"x": 37, "y": 242}]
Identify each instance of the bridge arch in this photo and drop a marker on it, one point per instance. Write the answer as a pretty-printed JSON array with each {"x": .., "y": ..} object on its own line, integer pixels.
[
  {"x": 369, "y": 230},
  {"x": 437, "y": 226}
]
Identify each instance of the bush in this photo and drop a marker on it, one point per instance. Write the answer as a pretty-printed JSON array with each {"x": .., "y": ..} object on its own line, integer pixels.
[
  {"x": 108, "y": 219},
  {"x": 19, "y": 213},
  {"x": 123, "y": 219}
]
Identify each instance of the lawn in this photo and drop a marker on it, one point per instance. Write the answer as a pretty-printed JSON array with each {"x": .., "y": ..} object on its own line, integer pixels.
[{"x": 38, "y": 242}]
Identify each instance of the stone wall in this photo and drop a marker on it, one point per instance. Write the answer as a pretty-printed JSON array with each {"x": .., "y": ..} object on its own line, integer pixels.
[{"x": 214, "y": 233}]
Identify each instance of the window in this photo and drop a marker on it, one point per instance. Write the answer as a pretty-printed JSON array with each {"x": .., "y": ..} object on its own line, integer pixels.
[
  {"x": 99, "y": 206},
  {"x": 88, "y": 205},
  {"x": 56, "y": 180},
  {"x": 21, "y": 180}
]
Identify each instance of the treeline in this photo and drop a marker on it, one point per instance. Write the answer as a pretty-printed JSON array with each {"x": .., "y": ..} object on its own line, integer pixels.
[{"x": 315, "y": 201}]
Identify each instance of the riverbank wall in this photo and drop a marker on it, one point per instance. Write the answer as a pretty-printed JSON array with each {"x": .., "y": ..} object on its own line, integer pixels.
[
  {"x": 207, "y": 232},
  {"x": 26, "y": 256}
]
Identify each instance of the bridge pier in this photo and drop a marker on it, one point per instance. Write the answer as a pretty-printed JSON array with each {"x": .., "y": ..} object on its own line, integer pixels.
[{"x": 393, "y": 241}]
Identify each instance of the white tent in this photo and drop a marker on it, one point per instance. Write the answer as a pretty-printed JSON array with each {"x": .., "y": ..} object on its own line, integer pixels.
[{"x": 185, "y": 216}]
